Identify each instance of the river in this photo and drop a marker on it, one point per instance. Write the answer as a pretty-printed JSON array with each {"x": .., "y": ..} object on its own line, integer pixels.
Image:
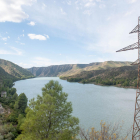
[{"x": 91, "y": 103}]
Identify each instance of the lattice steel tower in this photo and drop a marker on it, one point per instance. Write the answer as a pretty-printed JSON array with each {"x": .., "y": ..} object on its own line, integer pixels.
[{"x": 136, "y": 123}]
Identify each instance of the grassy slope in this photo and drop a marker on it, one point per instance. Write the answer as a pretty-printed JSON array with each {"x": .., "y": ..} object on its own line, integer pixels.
[{"x": 13, "y": 70}]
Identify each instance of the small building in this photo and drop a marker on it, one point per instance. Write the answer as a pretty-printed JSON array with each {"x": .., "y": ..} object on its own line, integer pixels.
[{"x": 3, "y": 94}]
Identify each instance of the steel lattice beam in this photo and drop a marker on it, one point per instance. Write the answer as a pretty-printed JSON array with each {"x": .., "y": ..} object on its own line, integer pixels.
[
  {"x": 130, "y": 47},
  {"x": 135, "y": 30},
  {"x": 136, "y": 62}
]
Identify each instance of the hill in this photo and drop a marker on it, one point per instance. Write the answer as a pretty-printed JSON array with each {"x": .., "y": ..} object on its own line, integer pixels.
[
  {"x": 5, "y": 75},
  {"x": 9, "y": 70},
  {"x": 121, "y": 76},
  {"x": 73, "y": 69}
]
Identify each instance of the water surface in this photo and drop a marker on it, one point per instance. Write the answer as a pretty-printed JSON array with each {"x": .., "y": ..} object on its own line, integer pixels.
[{"x": 91, "y": 103}]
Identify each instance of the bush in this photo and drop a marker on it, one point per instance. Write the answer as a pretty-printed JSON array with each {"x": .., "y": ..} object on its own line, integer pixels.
[{"x": 107, "y": 132}]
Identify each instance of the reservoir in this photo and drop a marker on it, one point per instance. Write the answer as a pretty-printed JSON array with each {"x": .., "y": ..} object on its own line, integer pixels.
[{"x": 91, "y": 103}]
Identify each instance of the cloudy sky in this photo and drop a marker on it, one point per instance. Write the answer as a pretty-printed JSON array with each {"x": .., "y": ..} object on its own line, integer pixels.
[{"x": 53, "y": 32}]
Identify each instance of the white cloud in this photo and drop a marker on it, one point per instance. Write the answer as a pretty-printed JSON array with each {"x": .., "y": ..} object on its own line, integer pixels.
[
  {"x": 76, "y": 2},
  {"x": 77, "y": 8},
  {"x": 8, "y": 36},
  {"x": 5, "y": 43},
  {"x": 22, "y": 30},
  {"x": 114, "y": 5},
  {"x": 12, "y": 51},
  {"x": 69, "y": 2},
  {"x": 108, "y": 18},
  {"x": 5, "y": 52},
  {"x": 11, "y": 10},
  {"x": 47, "y": 36},
  {"x": 128, "y": 13},
  {"x": 31, "y": 23},
  {"x": 102, "y": 6},
  {"x": 90, "y": 4},
  {"x": 41, "y": 61},
  {"x": 4, "y": 39},
  {"x": 21, "y": 36},
  {"x": 132, "y": 1},
  {"x": 87, "y": 12},
  {"x": 17, "y": 51},
  {"x": 22, "y": 43},
  {"x": 39, "y": 37},
  {"x": 43, "y": 6},
  {"x": 24, "y": 65},
  {"x": 62, "y": 12}
]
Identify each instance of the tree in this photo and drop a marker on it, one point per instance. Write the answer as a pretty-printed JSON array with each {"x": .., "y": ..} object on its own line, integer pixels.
[
  {"x": 49, "y": 117},
  {"x": 107, "y": 132},
  {"x": 21, "y": 103},
  {"x": 15, "y": 97},
  {"x": 13, "y": 91}
]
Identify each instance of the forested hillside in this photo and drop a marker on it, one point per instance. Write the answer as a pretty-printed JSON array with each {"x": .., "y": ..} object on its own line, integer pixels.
[
  {"x": 9, "y": 70},
  {"x": 5, "y": 75},
  {"x": 121, "y": 76}
]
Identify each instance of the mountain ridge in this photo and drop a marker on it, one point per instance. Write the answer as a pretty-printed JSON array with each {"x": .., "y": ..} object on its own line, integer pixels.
[{"x": 72, "y": 69}]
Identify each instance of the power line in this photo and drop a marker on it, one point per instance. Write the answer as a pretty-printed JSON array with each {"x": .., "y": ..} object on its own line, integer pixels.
[{"x": 136, "y": 123}]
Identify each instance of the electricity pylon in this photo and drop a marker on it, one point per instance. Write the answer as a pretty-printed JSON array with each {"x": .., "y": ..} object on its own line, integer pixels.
[{"x": 136, "y": 123}]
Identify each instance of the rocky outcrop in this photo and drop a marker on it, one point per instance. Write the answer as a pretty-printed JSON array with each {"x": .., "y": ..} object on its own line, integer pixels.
[{"x": 51, "y": 71}]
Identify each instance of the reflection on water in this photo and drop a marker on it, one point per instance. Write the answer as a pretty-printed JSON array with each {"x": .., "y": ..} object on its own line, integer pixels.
[{"x": 91, "y": 103}]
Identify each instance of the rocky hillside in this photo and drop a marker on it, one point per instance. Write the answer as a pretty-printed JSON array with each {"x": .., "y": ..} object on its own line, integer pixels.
[
  {"x": 9, "y": 70},
  {"x": 121, "y": 76},
  {"x": 51, "y": 71},
  {"x": 73, "y": 69}
]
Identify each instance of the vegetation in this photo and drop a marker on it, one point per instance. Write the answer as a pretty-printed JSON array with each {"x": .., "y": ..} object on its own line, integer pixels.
[
  {"x": 123, "y": 76},
  {"x": 21, "y": 103},
  {"x": 7, "y": 132},
  {"x": 9, "y": 126},
  {"x": 107, "y": 132},
  {"x": 49, "y": 117}
]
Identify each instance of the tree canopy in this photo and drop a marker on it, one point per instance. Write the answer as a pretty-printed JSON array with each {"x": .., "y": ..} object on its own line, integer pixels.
[
  {"x": 49, "y": 117},
  {"x": 21, "y": 103}
]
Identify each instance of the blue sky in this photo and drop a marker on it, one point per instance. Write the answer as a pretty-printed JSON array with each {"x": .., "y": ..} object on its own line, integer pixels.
[{"x": 53, "y": 32}]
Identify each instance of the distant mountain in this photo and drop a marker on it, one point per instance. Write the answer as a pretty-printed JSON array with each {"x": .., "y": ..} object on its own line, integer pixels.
[
  {"x": 9, "y": 70},
  {"x": 73, "y": 69}
]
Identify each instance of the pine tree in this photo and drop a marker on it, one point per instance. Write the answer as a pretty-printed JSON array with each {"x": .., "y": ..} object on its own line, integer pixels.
[{"x": 49, "y": 117}]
